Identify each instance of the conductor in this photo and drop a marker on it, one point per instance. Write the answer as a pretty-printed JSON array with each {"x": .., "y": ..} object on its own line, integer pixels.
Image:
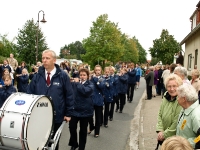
[{"x": 55, "y": 83}]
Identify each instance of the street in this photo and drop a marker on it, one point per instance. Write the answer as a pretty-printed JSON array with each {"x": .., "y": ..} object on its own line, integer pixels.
[{"x": 116, "y": 136}]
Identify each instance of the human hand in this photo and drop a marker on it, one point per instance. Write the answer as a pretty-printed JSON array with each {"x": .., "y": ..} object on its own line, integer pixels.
[
  {"x": 67, "y": 119},
  {"x": 160, "y": 136},
  {"x": 76, "y": 79}
]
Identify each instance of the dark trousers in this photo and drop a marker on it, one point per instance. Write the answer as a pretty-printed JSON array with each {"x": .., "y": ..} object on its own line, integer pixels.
[
  {"x": 82, "y": 132},
  {"x": 98, "y": 120},
  {"x": 120, "y": 102},
  {"x": 106, "y": 112},
  {"x": 159, "y": 88},
  {"x": 130, "y": 92},
  {"x": 56, "y": 127},
  {"x": 112, "y": 106},
  {"x": 149, "y": 91}
]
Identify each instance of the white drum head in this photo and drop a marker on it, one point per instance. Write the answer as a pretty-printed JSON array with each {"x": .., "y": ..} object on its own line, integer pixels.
[{"x": 40, "y": 124}]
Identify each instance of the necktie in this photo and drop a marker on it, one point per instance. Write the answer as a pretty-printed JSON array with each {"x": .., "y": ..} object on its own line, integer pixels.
[{"x": 48, "y": 79}]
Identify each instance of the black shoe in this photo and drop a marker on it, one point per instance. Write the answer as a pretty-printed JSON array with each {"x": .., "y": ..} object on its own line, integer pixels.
[
  {"x": 120, "y": 111},
  {"x": 116, "y": 110},
  {"x": 106, "y": 126},
  {"x": 72, "y": 148},
  {"x": 111, "y": 119},
  {"x": 90, "y": 131}
]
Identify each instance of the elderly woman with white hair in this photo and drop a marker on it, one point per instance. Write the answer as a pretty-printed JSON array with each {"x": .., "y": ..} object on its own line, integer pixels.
[
  {"x": 169, "y": 109},
  {"x": 195, "y": 80},
  {"x": 182, "y": 73},
  {"x": 189, "y": 117}
]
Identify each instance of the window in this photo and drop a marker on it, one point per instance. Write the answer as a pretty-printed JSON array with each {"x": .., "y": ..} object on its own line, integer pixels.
[
  {"x": 194, "y": 21},
  {"x": 189, "y": 67},
  {"x": 195, "y": 57}
]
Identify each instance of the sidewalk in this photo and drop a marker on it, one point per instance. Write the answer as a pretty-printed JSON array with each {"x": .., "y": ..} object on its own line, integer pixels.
[{"x": 147, "y": 123}]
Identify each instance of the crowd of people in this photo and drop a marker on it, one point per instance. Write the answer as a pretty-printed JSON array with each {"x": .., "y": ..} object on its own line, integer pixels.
[
  {"x": 78, "y": 94},
  {"x": 88, "y": 97},
  {"x": 179, "y": 111}
]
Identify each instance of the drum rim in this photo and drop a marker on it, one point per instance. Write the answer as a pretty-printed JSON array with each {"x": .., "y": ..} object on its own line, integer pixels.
[
  {"x": 3, "y": 108},
  {"x": 53, "y": 120}
]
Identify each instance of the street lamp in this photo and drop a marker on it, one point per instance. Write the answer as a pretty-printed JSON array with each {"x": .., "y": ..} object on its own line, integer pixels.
[{"x": 43, "y": 21}]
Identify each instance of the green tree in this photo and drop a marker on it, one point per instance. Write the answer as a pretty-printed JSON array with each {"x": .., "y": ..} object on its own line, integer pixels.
[
  {"x": 154, "y": 61},
  {"x": 73, "y": 50},
  {"x": 142, "y": 54},
  {"x": 104, "y": 42},
  {"x": 26, "y": 42},
  {"x": 130, "y": 51},
  {"x": 165, "y": 47},
  {"x": 6, "y": 46}
]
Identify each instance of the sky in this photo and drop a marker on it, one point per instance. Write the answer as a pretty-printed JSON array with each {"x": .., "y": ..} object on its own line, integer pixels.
[{"x": 70, "y": 20}]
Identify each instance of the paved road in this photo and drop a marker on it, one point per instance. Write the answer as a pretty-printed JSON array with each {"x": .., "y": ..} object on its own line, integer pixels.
[{"x": 116, "y": 136}]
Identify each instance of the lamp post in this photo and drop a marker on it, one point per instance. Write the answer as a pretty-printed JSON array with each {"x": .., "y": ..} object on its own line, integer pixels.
[{"x": 43, "y": 21}]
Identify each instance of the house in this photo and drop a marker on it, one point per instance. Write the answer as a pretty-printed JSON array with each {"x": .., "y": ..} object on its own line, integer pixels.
[{"x": 192, "y": 42}]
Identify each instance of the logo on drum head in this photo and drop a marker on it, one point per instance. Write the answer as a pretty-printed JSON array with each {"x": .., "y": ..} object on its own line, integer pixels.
[
  {"x": 19, "y": 102},
  {"x": 42, "y": 104}
]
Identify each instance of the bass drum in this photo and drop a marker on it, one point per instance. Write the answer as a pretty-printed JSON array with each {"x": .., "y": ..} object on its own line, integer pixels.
[{"x": 26, "y": 121}]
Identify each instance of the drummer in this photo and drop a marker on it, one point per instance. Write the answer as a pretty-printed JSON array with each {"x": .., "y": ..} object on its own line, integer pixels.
[
  {"x": 7, "y": 89},
  {"x": 55, "y": 83}
]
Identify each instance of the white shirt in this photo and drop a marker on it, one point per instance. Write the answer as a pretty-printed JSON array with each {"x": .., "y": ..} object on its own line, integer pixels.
[{"x": 51, "y": 73}]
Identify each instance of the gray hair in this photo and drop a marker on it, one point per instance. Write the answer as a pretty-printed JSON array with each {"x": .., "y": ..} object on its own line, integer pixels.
[
  {"x": 50, "y": 51},
  {"x": 182, "y": 71},
  {"x": 151, "y": 68},
  {"x": 188, "y": 91},
  {"x": 174, "y": 77}
]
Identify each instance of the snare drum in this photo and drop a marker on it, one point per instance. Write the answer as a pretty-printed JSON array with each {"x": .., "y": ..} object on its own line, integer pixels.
[{"x": 26, "y": 121}]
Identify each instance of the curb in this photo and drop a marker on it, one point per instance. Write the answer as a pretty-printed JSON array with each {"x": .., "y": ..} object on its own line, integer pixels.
[{"x": 134, "y": 134}]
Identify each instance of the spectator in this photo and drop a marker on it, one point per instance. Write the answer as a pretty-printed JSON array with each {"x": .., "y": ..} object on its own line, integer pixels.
[
  {"x": 160, "y": 81},
  {"x": 138, "y": 75},
  {"x": 189, "y": 118},
  {"x": 13, "y": 62},
  {"x": 169, "y": 109},
  {"x": 155, "y": 81},
  {"x": 195, "y": 80},
  {"x": 149, "y": 82},
  {"x": 182, "y": 73},
  {"x": 180, "y": 59}
]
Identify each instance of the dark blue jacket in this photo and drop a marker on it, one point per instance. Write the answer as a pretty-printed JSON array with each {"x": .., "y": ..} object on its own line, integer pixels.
[
  {"x": 122, "y": 85},
  {"x": 132, "y": 76},
  {"x": 97, "y": 97},
  {"x": 32, "y": 75},
  {"x": 83, "y": 104},
  {"x": 23, "y": 83},
  {"x": 2, "y": 69},
  {"x": 107, "y": 90},
  {"x": 114, "y": 79},
  {"x": 60, "y": 91},
  {"x": 5, "y": 92},
  {"x": 19, "y": 70}
]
